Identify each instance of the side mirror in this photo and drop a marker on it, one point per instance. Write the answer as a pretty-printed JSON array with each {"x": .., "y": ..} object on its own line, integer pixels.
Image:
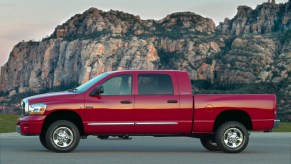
[{"x": 97, "y": 91}]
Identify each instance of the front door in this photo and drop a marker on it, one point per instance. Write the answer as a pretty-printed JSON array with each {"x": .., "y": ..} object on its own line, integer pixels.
[
  {"x": 156, "y": 104},
  {"x": 112, "y": 111}
]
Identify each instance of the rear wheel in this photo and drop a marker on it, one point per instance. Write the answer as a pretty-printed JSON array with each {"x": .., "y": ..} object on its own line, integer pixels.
[
  {"x": 103, "y": 137},
  {"x": 62, "y": 136},
  {"x": 232, "y": 137},
  {"x": 209, "y": 143}
]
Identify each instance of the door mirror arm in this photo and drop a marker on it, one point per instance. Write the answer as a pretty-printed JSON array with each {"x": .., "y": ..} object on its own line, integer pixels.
[{"x": 97, "y": 91}]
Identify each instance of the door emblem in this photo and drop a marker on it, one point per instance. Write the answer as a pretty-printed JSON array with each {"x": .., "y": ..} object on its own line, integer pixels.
[{"x": 89, "y": 107}]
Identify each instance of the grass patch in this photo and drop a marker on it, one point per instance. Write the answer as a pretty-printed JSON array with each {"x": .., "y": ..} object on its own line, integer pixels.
[
  {"x": 284, "y": 127},
  {"x": 8, "y": 123}
]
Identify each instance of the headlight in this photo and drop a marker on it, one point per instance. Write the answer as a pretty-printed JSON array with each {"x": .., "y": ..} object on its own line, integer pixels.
[
  {"x": 36, "y": 108},
  {"x": 24, "y": 107}
]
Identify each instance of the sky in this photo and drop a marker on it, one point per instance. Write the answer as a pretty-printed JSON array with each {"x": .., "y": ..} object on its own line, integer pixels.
[{"x": 35, "y": 19}]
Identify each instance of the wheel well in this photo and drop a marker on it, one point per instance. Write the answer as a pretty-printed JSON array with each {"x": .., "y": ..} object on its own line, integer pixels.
[
  {"x": 63, "y": 115},
  {"x": 233, "y": 115}
]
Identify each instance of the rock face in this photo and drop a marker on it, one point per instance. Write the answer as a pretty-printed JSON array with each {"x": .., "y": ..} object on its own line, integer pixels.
[
  {"x": 253, "y": 47},
  {"x": 95, "y": 42},
  {"x": 266, "y": 18}
]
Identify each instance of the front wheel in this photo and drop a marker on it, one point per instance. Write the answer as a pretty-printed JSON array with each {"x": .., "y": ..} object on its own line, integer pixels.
[
  {"x": 232, "y": 137},
  {"x": 209, "y": 143},
  {"x": 43, "y": 141},
  {"x": 62, "y": 136}
]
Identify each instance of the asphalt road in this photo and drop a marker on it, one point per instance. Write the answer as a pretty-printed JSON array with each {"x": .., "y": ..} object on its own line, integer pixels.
[{"x": 263, "y": 148}]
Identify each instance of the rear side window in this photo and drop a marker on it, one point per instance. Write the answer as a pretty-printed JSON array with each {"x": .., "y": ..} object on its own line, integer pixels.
[{"x": 155, "y": 84}]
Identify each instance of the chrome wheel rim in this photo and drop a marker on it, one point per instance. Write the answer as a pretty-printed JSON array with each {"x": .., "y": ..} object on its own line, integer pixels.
[
  {"x": 63, "y": 137},
  {"x": 233, "y": 138}
]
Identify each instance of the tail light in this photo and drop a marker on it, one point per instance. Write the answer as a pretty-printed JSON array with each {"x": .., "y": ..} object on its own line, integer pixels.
[{"x": 275, "y": 105}]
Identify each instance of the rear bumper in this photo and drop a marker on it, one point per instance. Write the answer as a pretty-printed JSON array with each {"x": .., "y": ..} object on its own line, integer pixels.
[
  {"x": 29, "y": 125},
  {"x": 276, "y": 124}
]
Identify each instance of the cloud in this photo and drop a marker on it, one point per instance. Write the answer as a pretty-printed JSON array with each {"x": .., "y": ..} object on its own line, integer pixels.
[{"x": 8, "y": 5}]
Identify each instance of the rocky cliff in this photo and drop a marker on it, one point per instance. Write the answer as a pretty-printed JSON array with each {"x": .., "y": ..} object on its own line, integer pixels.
[
  {"x": 96, "y": 41},
  {"x": 252, "y": 48},
  {"x": 266, "y": 18}
]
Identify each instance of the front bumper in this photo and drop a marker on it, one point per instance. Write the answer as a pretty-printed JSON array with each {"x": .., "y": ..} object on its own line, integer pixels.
[
  {"x": 276, "y": 124},
  {"x": 30, "y": 125},
  {"x": 18, "y": 129}
]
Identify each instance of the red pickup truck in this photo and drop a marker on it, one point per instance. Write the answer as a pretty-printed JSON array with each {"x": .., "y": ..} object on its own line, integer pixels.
[{"x": 145, "y": 103}]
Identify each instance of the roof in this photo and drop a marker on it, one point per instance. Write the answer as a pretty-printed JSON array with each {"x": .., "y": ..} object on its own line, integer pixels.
[{"x": 147, "y": 71}]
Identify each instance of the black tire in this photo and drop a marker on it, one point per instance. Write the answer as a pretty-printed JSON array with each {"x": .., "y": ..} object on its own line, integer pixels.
[
  {"x": 62, "y": 136},
  {"x": 43, "y": 141},
  {"x": 232, "y": 137},
  {"x": 103, "y": 137},
  {"x": 209, "y": 143},
  {"x": 125, "y": 137}
]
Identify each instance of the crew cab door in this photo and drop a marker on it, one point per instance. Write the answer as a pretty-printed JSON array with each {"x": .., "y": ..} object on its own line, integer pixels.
[
  {"x": 112, "y": 111},
  {"x": 156, "y": 104}
]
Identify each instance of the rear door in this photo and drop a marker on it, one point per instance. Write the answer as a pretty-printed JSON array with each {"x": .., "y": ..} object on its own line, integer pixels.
[{"x": 156, "y": 104}]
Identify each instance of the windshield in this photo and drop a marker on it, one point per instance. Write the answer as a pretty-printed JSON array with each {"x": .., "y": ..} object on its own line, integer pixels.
[{"x": 84, "y": 87}]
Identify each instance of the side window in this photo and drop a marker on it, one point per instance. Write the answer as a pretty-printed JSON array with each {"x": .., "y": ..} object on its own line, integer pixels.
[
  {"x": 118, "y": 85},
  {"x": 155, "y": 84}
]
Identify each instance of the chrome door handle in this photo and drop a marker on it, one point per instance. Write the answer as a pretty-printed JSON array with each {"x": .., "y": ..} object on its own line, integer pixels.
[
  {"x": 172, "y": 101},
  {"x": 126, "y": 102}
]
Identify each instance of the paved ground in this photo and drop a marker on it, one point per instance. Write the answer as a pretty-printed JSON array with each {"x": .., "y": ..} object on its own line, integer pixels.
[{"x": 263, "y": 148}]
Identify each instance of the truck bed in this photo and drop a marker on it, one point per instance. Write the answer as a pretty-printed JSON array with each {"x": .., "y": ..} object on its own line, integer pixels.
[{"x": 261, "y": 109}]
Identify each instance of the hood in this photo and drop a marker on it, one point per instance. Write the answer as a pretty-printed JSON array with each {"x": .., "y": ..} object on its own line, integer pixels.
[{"x": 54, "y": 96}]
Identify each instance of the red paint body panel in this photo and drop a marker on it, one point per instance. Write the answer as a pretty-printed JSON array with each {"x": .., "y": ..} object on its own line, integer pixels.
[
  {"x": 151, "y": 114},
  {"x": 107, "y": 109},
  {"x": 259, "y": 107},
  {"x": 151, "y": 109},
  {"x": 31, "y": 125},
  {"x": 186, "y": 113}
]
